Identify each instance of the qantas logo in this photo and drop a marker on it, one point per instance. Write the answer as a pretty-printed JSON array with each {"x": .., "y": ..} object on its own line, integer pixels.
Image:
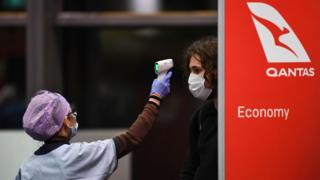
[{"x": 279, "y": 42}]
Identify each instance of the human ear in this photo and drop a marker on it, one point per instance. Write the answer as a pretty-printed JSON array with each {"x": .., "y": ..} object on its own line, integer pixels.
[
  {"x": 209, "y": 78},
  {"x": 67, "y": 122}
]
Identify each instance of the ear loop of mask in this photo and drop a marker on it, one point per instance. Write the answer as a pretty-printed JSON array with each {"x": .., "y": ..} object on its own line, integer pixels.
[{"x": 73, "y": 130}]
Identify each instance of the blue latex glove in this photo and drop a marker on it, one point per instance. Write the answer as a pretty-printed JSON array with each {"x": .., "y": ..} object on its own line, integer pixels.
[{"x": 162, "y": 87}]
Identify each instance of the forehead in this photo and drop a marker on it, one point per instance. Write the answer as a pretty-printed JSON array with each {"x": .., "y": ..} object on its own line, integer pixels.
[{"x": 195, "y": 61}]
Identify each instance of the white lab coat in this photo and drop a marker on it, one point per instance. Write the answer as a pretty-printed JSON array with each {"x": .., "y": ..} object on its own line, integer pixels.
[{"x": 95, "y": 161}]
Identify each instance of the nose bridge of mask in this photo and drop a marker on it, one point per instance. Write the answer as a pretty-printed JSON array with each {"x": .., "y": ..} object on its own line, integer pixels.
[{"x": 195, "y": 79}]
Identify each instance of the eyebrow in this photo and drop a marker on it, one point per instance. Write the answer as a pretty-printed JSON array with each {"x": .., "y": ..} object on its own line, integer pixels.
[{"x": 195, "y": 67}]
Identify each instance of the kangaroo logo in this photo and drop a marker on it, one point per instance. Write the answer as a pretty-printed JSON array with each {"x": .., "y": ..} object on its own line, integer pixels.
[{"x": 279, "y": 42}]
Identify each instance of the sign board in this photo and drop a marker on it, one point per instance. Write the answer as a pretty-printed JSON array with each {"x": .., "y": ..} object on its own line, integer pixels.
[{"x": 271, "y": 103}]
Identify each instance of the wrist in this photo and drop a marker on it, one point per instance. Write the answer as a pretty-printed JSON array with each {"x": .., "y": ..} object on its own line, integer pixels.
[
  {"x": 156, "y": 98},
  {"x": 156, "y": 101},
  {"x": 156, "y": 95}
]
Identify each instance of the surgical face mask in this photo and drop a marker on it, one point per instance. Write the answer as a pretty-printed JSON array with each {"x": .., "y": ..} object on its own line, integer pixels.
[
  {"x": 197, "y": 88},
  {"x": 74, "y": 130}
]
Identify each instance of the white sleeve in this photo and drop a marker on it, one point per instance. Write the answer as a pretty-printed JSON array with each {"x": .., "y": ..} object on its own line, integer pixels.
[{"x": 93, "y": 160}]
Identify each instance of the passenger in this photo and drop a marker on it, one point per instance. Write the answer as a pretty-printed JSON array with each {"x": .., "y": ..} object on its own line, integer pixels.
[{"x": 201, "y": 65}]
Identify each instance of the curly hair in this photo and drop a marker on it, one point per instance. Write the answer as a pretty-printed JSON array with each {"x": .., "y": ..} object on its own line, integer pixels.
[{"x": 206, "y": 48}]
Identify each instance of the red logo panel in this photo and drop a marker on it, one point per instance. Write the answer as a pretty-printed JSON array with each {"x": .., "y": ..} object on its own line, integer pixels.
[{"x": 272, "y": 88}]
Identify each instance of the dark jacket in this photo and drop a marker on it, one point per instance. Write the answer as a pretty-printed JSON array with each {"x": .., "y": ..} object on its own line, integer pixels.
[{"x": 202, "y": 157}]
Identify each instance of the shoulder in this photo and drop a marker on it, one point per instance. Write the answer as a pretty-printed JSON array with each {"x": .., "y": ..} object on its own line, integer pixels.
[
  {"x": 89, "y": 147},
  {"x": 84, "y": 151},
  {"x": 28, "y": 167},
  {"x": 206, "y": 109},
  {"x": 31, "y": 159},
  {"x": 208, "y": 106},
  {"x": 206, "y": 114}
]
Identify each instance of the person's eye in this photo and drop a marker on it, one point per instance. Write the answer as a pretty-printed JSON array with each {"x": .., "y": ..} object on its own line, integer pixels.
[{"x": 197, "y": 70}]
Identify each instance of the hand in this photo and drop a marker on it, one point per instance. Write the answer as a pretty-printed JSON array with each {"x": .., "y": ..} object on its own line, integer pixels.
[{"x": 161, "y": 87}]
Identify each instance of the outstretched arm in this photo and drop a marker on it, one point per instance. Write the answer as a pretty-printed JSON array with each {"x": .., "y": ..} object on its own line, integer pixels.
[{"x": 135, "y": 135}]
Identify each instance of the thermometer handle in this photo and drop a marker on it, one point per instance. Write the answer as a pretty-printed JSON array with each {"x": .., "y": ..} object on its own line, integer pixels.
[{"x": 161, "y": 75}]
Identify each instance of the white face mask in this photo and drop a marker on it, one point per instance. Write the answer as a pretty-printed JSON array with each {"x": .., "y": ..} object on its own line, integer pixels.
[
  {"x": 74, "y": 130},
  {"x": 197, "y": 88}
]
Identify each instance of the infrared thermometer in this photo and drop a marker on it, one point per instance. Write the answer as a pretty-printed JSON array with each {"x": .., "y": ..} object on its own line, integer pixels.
[{"x": 162, "y": 67}]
